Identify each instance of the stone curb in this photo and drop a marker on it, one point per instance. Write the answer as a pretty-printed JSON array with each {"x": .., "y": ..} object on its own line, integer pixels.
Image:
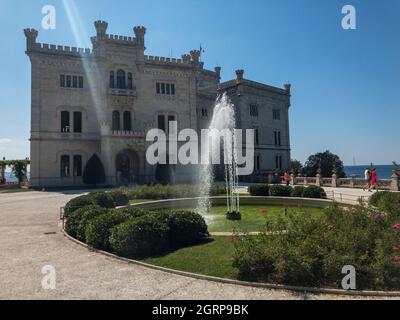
[{"x": 238, "y": 282}]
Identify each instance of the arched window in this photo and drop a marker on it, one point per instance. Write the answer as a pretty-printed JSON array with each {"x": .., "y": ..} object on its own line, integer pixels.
[
  {"x": 116, "y": 121},
  {"x": 121, "y": 84},
  {"x": 77, "y": 166},
  {"x": 127, "y": 121},
  {"x": 112, "y": 79},
  {"x": 64, "y": 166},
  {"x": 130, "y": 81},
  {"x": 65, "y": 126},
  {"x": 77, "y": 122}
]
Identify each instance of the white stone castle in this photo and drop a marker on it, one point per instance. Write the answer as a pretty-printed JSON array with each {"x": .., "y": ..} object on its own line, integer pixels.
[{"x": 103, "y": 101}]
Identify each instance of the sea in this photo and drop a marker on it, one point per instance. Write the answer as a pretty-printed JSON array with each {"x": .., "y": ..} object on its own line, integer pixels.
[{"x": 383, "y": 171}]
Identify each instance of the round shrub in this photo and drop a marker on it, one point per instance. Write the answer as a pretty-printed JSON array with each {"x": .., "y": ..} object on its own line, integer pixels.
[
  {"x": 119, "y": 198},
  {"x": 314, "y": 192},
  {"x": 77, "y": 221},
  {"x": 186, "y": 228},
  {"x": 140, "y": 237},
  {"x": 278, "y": 190},
  {"x": 77, "y": 203},
  {"x": 260, "y": 190},
  {"x": 133, "y": 212},
  {"x": 98, "y": 230},
  {"x": 298, "y": 191},
  {"x": 103, "y": 199}
]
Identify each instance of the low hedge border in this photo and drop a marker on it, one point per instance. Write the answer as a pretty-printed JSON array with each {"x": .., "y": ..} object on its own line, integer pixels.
[{"x": 238, "y": 282}]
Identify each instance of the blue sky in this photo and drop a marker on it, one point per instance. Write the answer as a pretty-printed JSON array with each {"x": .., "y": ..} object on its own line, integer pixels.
[{"x": 345, "y": 82}]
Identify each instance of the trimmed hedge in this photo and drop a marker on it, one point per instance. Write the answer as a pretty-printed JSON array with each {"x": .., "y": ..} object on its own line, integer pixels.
[
  {"x": 78, "y": 220},
  {"x": 298, "y": 191},
  {"x": 314, "y": 192},
  {"x": 103, "y": 199},
  {"x": 186, "y": 228},
  {"x": 259, "y": 190},
  {"x": 77, "y": 203},
  {"x": 389, "y": 201},
  {"x": 278, "y": 190},
  {"x": 159, "y": 192},
  {"x": 120, "y": 198},
  {"x": 140, "y": 237},
  {"x": 98, "y": 230}
]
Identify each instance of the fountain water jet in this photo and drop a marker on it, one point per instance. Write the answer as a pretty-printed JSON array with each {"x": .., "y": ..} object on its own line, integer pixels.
[{"x": 223, "y": 120}]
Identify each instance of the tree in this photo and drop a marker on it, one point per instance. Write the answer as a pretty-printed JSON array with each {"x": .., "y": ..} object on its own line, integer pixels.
[
  {"x": 19, "y": 170},
  {"x": 296, "y": 166},
  {"x": 94, "y": 174},
  {"x": 326, "y": 161}
]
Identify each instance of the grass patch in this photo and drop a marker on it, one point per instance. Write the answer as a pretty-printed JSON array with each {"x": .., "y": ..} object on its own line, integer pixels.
[
  {"x": 212, "y": 258},
  {"x": 254, "y": 218}
]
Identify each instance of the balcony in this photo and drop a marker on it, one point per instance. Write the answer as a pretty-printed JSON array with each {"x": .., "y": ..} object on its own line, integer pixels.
[{"x": 122, "y": 92}]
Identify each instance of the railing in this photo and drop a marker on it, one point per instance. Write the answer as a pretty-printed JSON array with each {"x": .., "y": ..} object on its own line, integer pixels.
[{"x": 346, "y": 197}]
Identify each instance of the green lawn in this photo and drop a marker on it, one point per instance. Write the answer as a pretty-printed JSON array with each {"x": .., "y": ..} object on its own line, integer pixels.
[
  {"x": 253, "y": 217},
  {"x": 213, "y": 258}
]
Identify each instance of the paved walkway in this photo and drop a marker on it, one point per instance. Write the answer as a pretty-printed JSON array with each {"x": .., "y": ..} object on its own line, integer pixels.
[{"x": 30, "y": 238}]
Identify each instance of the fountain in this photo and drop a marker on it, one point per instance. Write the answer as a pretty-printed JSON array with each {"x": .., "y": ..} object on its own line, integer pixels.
[{"x": 223, "y": 120}]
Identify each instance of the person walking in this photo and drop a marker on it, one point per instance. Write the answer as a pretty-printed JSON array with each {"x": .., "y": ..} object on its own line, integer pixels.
[
  {"x": 367, "y": 179},
  {"x": 287, "y": 177},
  {"x": 374, "y": 180}
]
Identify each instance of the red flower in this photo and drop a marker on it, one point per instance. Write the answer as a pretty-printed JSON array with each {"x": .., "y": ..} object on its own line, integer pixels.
[
  {"x": 396, "y": 226},
  {"x": 396, "y": 248},
  {"x": 330, "y": 227},
  {"x": 396, "y": 258},
  {"x": 264, "y": 211}
]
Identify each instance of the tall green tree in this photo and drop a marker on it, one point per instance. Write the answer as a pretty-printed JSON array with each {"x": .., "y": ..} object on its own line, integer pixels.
[
  {"x": 326, "y": 161},
  {"x": 19, "y": 170},
  {"x": 296, "y": 166},
  {"x": 94, "y": 173}
]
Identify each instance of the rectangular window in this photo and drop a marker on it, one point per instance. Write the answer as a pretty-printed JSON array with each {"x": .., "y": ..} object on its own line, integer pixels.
[
  {"x": 276, "y": 138},
  {"x": 81, "y": 82},
  {"x": 77, "y": 166},
  {"x": 158, "y": 88},
  {"x": 256, "y": 136},
  {"x": 162, "y": 88},
  {"x": 279, "y": 138},
  {"x": 68, "y": 81},
  {"x": 74, "y": 82},
  {"x": 167, "y": 87},
  {"x": 62, "y": 81},
  {"x": 258, "y": 163},
  {"x": 161, "y": 122},
  {"x": 253, "y": 110},
  {"x": 77, "y": 122},
  {"x": 65, "y": 121},
  {"x": 64, "y": 166},
  {"x": 172, "y": 89},
  {"x": 276, "y": 114}
]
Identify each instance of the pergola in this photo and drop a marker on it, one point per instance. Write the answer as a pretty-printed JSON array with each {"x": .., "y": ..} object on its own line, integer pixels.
[{"x": 9, "y": 163}]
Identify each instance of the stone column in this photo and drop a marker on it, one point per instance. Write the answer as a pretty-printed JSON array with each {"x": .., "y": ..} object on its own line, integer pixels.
[
  {"x": 334, "y": 180},
  {"x": 292, "y": 179},
  {"x": 318, "y": 180},
  {"x": 395, "y": 182},
  {"x": 270, "y": 178}
]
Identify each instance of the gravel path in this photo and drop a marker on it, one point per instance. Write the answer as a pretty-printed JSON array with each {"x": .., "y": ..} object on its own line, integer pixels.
[{"x": 30, "y": 238}]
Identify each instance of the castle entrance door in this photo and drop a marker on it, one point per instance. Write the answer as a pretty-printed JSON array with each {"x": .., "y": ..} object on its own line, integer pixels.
[{"x": 127, "y": 167}]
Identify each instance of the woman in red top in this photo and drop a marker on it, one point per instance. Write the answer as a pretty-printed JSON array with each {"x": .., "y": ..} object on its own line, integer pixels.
[{"x": 374, "y": 180}]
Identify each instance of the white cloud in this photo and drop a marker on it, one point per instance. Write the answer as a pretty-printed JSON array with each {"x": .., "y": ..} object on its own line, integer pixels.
[{"x": 4, "y": 141}]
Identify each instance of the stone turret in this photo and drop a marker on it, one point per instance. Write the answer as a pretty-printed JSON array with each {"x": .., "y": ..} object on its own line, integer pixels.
[
  {"x": 139, "y": 31},
  {"x": 287, "y": 87},
  {"x": 218, "y": 72},
  {"x": 195, "y": 56},
  {"x": 101, "y": 29},
  {"x": 31, "y": 36},
  {"x": 239, "y": 74}
]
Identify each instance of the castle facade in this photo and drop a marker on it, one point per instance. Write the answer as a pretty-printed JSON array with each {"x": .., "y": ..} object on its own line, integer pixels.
[{"x": 102, "y": 101}]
